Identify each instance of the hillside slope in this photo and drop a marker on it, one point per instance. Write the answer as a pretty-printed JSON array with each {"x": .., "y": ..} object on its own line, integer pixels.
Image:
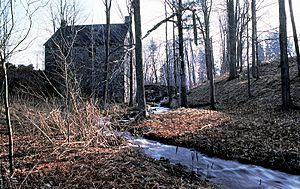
[
  {"x": 266, "y": 91},
  {"x": 259, "y": 120}
]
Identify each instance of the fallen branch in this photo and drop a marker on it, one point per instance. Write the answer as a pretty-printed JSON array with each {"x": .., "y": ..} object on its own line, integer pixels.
[
  {"x": 27, "y": 175},
  {"x": 39, "y": 129}
]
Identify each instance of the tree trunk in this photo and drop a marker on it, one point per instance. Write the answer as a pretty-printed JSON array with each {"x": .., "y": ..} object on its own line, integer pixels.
[
  {"x": 139, "y": 60},
  {"x": 241, "y": 43},
  {"x": 175, "y": 63},
  {"x": 181, "y": 56},
  {"x": 244, "y": 25},
  {"x": 209, "y": 60},
  {"x": 107, "y": 49},
  {"x": 193, "y": 63},
  {"x": 231, "y": 40},
  {"x": 223, "y": 58},
  {"x": 167, "y": 60},
  {"x": 212, "y": 57},
  {"x": 295, "y": 36},
  {"x": 247, "y": 55},
  {"x": 241, "y": 53},
  {"x": 188, "y": 66},
  {"x": 131, "y": 99},
  {"x": 67, "y": 96},
  {"x": 284, "y": 64},
  {"x": 7, "y": 114},
  {"x": 257, "y": 57},
  {"x": 238, "y": 46},
  {"x": 254, "y": 40},
  {"x": 154, "y": 70},
  {"x": 209, "y": 55},
  {"x": 237, "y": 30}
]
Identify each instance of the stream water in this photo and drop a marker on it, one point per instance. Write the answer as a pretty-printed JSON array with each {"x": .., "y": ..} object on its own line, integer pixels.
[
  {"x": 157, "y": 109},
  {"x": 225, "y": 174}
]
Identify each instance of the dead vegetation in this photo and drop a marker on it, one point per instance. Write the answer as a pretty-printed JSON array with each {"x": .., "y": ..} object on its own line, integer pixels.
[
  {"x": 85, "y": 123},
  {"x": 95, "y": 157},
  {"x": 251, "y": 130},
  {"x": 77, "y": 165},
  {"x": 265, "y": 91}
]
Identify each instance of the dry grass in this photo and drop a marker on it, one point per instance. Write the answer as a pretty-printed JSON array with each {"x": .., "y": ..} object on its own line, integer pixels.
[
  {"x": 78, "y": 165},
  {"x": 94, "y": 158},
  {"x": 85, "y": 123}
]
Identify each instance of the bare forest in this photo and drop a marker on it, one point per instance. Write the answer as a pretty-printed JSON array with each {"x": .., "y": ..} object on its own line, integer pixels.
[{"x": 160, "y": 94}]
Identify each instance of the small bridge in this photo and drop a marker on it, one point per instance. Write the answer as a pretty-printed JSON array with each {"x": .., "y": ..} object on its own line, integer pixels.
[{"x": 155, "y": 92}]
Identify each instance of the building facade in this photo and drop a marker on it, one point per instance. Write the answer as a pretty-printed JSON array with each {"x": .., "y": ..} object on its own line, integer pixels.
[{"x": 77, "y": 54}]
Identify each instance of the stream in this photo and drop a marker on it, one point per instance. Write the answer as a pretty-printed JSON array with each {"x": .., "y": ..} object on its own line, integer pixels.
[{"x": 225, "y": 174}]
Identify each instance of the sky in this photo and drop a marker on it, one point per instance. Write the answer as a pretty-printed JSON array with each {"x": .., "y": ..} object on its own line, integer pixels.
[{"x": 152, "y": 11}]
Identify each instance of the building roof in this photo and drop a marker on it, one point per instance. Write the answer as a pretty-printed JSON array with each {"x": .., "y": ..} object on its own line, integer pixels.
[{"x": 85, "y": 35}]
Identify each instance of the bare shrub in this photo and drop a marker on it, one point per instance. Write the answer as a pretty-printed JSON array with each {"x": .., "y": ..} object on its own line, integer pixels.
[{"x": 87, "y": 122}]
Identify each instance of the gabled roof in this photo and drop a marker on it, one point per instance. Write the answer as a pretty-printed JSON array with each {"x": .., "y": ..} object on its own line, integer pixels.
[{"x": 85, "y": 35}]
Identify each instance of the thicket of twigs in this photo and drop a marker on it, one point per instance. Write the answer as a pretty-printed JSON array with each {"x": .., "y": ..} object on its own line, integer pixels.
[
  {"x": 46, "y": 134},
  {"x": 86, "y": 122}
]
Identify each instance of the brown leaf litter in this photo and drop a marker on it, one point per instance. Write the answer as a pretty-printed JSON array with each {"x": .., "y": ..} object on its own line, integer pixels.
[
  {"x": 40, "y": 163},
  {"x": 251, "y": 130}
]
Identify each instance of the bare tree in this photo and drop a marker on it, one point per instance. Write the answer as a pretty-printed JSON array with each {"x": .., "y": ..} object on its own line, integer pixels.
[
  {"x": 223, "y": 35},
  {"x": 7, "y": 114},
  {"x": 175, "y": 59},
  {"x": 247, "y": 54},
  {"x": 168, "y": 67},
  {"x": 139, "y": 59},
  {"x": 181, "y": 55},
  {"x": 206, "y": 7},
  {"x": 231, "y": 39},
  {"x": 60, "y": 47},
  {"x": 295, "y": 36},
  {"x": 188, "y": 64},
  {"x": 255, "y": 63},
  {"x": 152, "y": 62},
  {"x": 63, "y": 13},
  {"x": 284, "y": 64},
  {"x": 193, "y": 59},
  {"x": 243, "y": 21},
  {"x": 107, "y": 4},
  {"x": 178, "y": 47},
  {"x": 9, "y": 45},
  {"x": 131, "y": 41}
]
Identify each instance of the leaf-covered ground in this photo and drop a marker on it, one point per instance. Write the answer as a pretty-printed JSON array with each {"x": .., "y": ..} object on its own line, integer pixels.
[
  {"x": 251, "y": 130},
  {"x": 84, "y": 164}
]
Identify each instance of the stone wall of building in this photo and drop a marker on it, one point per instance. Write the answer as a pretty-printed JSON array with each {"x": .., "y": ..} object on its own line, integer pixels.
[{"x": 87, "y": 66}]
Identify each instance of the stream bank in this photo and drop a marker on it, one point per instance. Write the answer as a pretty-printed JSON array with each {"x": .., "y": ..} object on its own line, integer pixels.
[
  {"x": 223, "y": 173},
  {"x": 178, "y": 128},
  {"x": 220, "y": 134}
]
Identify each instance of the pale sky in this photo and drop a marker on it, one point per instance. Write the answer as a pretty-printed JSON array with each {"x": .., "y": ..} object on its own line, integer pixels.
[{"x": 152, "y": 11}]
